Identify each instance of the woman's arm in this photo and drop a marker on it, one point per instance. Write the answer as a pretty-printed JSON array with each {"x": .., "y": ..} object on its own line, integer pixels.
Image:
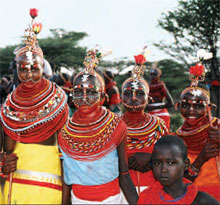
[
  {"x": 125, "y": 181},
  {"x": 66, "y": 189}
]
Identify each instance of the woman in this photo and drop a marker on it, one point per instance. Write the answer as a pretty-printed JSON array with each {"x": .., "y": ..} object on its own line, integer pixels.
[
  {"x": 144, "y": 129},
  {"x": 93, "y": 145},
  {"x": 201, "y": 132},
  {"x": 160, "y": 97}
]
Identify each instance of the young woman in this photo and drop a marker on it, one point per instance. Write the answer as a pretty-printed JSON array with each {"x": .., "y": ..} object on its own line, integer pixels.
[
  {"x": 93, "y": 145},
  {"x": 161, "y": 99},
  {"x": 31, "y": 116},
  {"x": 201, "y": 132},
  {"x": 144, "y": 129},
  {"x": 169, "y": 163}
]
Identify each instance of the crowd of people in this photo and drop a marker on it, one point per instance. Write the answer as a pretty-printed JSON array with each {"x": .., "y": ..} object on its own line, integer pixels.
[{"x": 96, "y": 154}]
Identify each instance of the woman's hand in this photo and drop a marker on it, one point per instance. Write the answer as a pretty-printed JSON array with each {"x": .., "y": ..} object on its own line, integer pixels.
[{"x": 10, "y": 163}]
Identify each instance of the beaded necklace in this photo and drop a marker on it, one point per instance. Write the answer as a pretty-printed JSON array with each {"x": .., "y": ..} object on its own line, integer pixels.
[
  {"x": 32, "y": 122},
  {"x": 149, "y": 131},
  {"x": 94, "y": 141}
]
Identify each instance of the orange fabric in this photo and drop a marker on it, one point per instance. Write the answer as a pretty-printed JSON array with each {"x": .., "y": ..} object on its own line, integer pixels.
[
  {"x": 96, "y": 192},
  {"x": 208, "y": 178}
]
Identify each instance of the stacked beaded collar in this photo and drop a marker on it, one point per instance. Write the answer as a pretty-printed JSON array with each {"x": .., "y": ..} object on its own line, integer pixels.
[
  {"x": 194, "y": 136},
  {"x": 145, "y": 133},
  {"x": 27, "y": 113},
  {"x": 92, "y": 141}
]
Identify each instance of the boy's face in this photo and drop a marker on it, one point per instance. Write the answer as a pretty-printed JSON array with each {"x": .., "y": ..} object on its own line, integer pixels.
[
  {"x": 168, "y": 165},
  {"x": 134, "y": 96},
  {"x": 193, "y": 108}
]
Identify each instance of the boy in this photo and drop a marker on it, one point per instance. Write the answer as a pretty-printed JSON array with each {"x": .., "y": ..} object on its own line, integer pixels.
[{"x": 169, "y": 163}]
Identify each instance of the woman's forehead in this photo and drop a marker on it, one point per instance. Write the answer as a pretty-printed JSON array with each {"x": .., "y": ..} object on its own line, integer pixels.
[
  {"x": 24, "y": 59},
  {"x": 86, "y": 79},
  {"x": 134, "y": 84},
  {"x": 190, "y": 96}
]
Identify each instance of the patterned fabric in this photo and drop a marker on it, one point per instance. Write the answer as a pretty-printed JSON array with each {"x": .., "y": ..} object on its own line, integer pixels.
[
  {"x": 32, "y": 115},
  {"x": 93, "y": 141},
  {"x": 156, "y": 195}
]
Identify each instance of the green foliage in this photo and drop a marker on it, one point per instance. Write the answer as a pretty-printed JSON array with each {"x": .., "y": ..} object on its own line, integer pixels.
[
  {"x": 62, "y": 48},
  {"x": 175, "y": 77},
  {"x": 6, "y": 56},
  {"x": 195, "y": 24},
  {"x": 176, "y": 121}
]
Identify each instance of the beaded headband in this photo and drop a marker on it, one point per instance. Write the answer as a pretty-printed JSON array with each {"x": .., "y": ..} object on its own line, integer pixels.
[
  {"x": 90, "y": 62},
  {"x": 137, "y": 73},
  {"x": 30, "y": 38},
  {"x": 197, "y": 91}
]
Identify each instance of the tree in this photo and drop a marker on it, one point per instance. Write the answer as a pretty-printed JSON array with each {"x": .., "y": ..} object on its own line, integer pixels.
[
  {"x": 6, "y": 56},
  {"x": 194, "y": 25},
  {"x": 61, "y": 49}
]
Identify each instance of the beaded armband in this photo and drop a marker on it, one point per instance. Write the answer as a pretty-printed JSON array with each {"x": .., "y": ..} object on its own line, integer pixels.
[
  {"x": 1, "y": 166},
  {"x": 192, "y": 171}
]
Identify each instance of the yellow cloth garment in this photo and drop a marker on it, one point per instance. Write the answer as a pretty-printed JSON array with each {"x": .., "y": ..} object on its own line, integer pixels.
[
  {"x": 36, "y": 164},
  {"x": 1, "y": 197}
]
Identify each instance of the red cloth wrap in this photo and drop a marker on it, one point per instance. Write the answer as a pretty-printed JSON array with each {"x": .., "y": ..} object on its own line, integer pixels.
[
  {"x": 152, "y": 195},
  {"x": 115, "y": 99},
  {"x": 212, "y": 189},
  {"x": 36, "y": 105},
  {"x": 158, "y": 90},
  {"x": 96, "y": 192},
  {"x": 145, "y": 179}
]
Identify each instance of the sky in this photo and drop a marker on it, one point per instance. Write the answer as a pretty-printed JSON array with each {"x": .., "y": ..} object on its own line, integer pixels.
[{"x": 120, "y": 25}]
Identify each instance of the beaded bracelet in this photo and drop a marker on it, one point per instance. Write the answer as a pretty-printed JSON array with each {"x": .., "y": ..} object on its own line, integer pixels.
[
  {"x": 193, "y": 171},
  {"x": 124, "y": 173}
]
